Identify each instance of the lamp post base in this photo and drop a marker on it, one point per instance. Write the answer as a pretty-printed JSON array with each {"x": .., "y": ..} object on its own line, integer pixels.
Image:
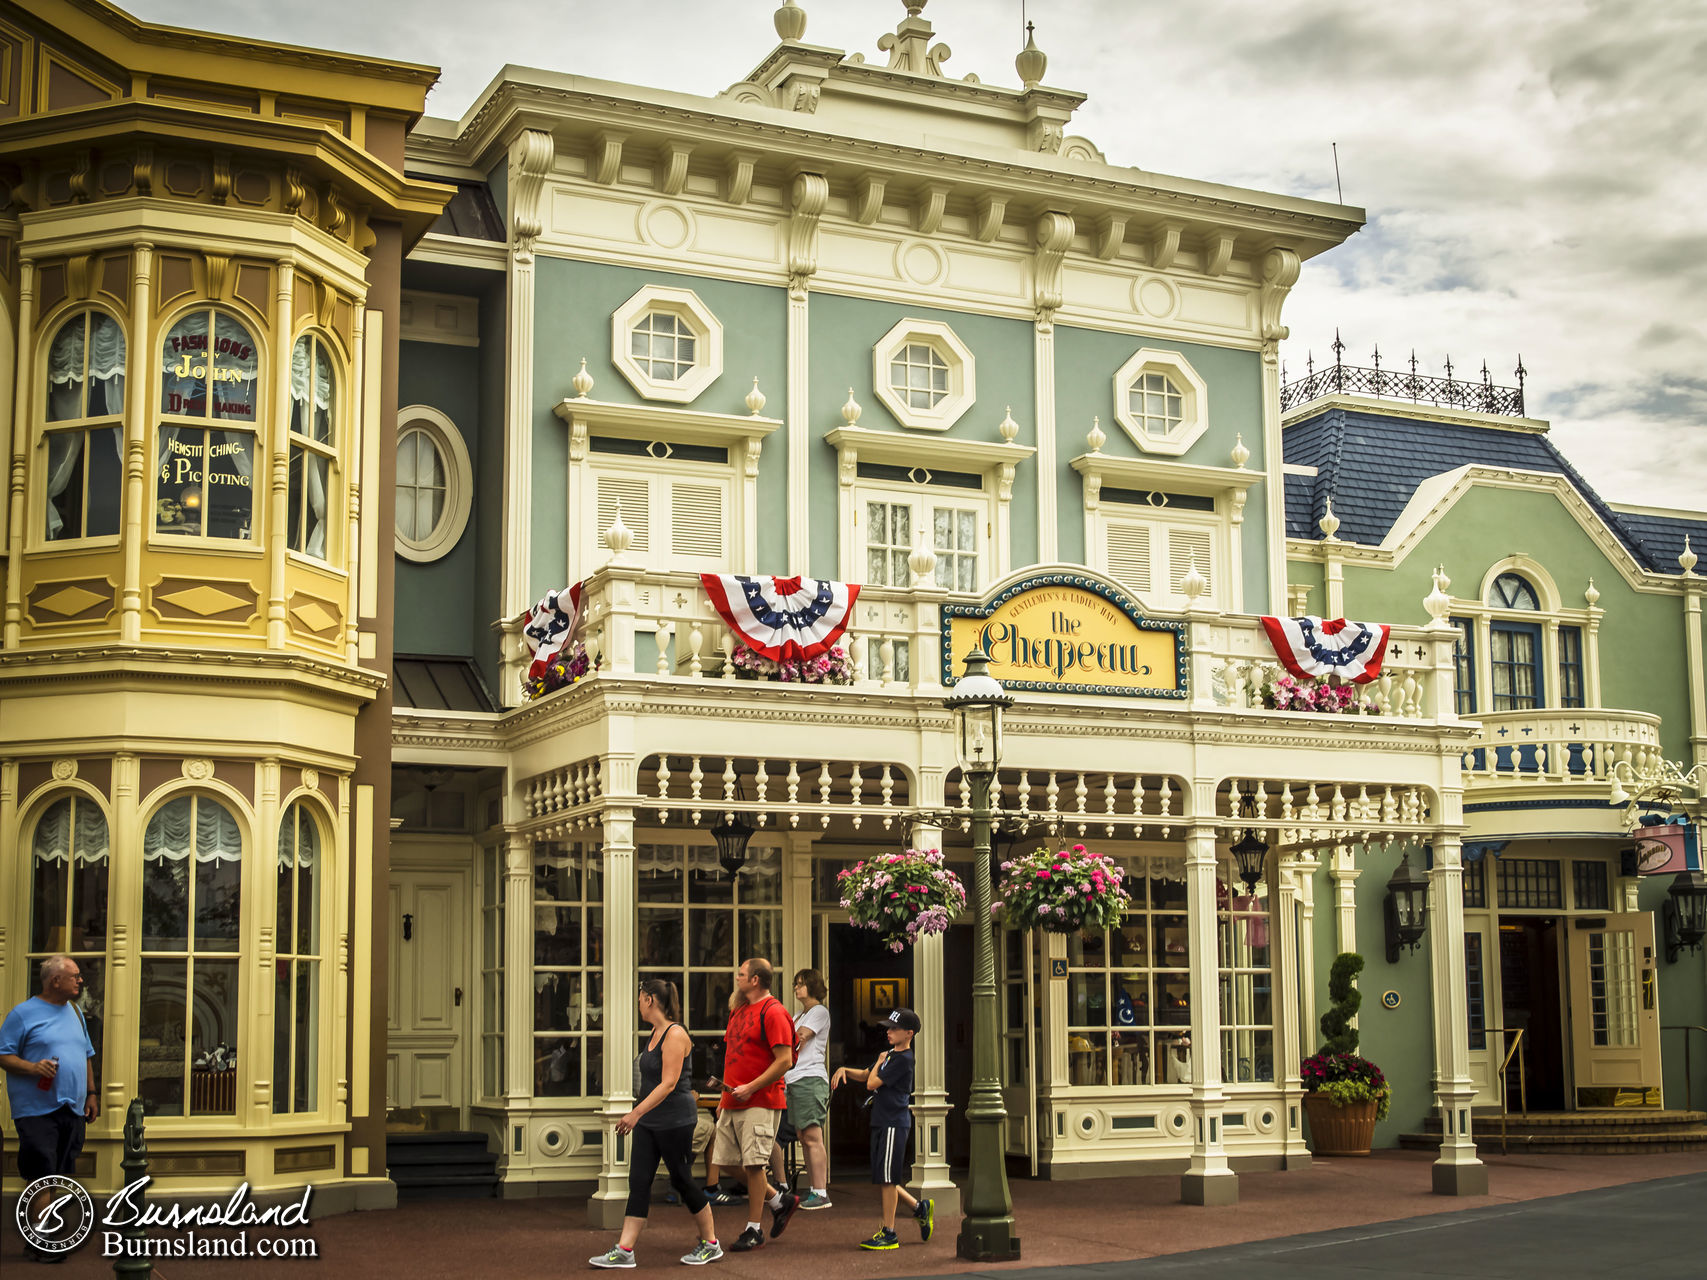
[{"x": 987, "y": 1240}]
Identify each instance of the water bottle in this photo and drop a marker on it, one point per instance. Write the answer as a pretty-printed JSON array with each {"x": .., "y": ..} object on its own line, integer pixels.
[{"x": 44, "y": 1083}]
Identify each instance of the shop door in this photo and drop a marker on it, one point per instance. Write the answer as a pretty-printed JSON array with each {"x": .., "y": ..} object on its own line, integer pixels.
[
  {"x": 427, "y": 997},
  {"x": 866, "y": 980},
  {"x": 1615, "y": 1020},
  {"x": 1531, "y": 1002}
]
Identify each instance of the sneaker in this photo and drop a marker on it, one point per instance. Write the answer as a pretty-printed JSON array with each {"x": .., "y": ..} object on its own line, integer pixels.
[
  {"x": 780, "y": 1217},
  {"x": 703, "y": 1252},
  {"x": 718, "y": 1196},
  {"x": 883, "y": 1238},
  {"x": 815, "y": 1201},
  {"x": 617, "y": 1257},
  {"x": 925, "y": 1213},
  {"x": 750, "y": 1239}
]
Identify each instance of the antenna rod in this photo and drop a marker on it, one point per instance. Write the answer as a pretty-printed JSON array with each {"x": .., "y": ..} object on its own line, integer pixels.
[{"x": 1337, "y": 187}]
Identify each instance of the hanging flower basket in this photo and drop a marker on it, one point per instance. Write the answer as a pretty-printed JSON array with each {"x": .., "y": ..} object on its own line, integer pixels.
[
  {"x": 902, "y": 895},
  {"x": 565, "y": 669},
  {"x": 833, "y": 666},
  {"x": 1063, "y": 892}
]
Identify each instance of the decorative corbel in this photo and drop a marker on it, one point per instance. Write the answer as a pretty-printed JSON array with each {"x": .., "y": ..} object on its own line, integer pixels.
[
  {"x": 1239, "y": 496},
  {"x": 1217, "y": 251},
  {"x": 671, "y": 174},
  {"x": 142, "y": 171},
  {"x": 1046, "y": 136},
  {"x": 928, "y": 203},
  {"x": 1093, "y": 490},
  {"x": 755, "y": 446},
  {"x": 77, "y": 277},
  {"x": 292, "y": 191},
  {"x": 607, "y": 158},
  {"x": 335, "y": 218},
  {"x": 221, "y": 189},
  {"x": 531, "y": 157},
  {"x": 1052, "y": 237},
  {"x": 1111, "y": 234},
  {"x": 82, "y": 171},
  {"x": 738, "y": 179},
  {"x": 847, "y": 467},
  {"x": 992, "y": 209},
  {"x": 806, "y": 98},
  {"x": 218, "y": 267},
  {"x": 578, "y": 440},
  {"x": 1279, "y": 269},
  {"x": 1005, "y": 483},
  {"x": 870, "y": 204},
  {"x": 809, "y": 194},
  {"x": 1164, "y": 244}
]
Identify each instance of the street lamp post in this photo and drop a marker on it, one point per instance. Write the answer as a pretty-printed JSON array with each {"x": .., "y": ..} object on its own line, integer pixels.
[{"x": 987, "y": 1230}]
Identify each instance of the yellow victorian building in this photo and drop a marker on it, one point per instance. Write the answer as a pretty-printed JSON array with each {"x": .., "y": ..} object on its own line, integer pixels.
[{"x": 200, "y": 244}]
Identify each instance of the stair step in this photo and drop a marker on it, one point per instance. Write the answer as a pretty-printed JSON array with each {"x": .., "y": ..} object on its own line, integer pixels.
[{"x": 1488, "y": 1139}]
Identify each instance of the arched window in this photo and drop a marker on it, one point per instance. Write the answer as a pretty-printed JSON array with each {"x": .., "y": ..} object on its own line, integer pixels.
[
  {"x": 435, "y": 484},
  {"x": 85, "y": 408},
  {"x": 1513, "y": 591},
  {"x": 70, "y": 856},
  {"x": 205, "y": 454},
  {"x": 296, "y": 966},
  {"x": 192, "y": 883},
  {"x": 312, "y": 445}
]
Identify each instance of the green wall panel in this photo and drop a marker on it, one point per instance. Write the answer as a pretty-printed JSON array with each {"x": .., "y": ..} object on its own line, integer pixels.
[
  {"x": 844, "y": 332},
  {"x": 1085, "y": 364},
  {"x": 435, "y": 607},
  {"x": 573, "y": 302}
]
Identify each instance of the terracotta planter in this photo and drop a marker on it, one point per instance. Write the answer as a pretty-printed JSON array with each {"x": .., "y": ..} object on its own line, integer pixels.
[{"x": 1339, "y": 1131}]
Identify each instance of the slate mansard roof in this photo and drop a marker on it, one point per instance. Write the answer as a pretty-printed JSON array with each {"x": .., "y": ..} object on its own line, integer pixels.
[{"x": 1371, "y": 463}]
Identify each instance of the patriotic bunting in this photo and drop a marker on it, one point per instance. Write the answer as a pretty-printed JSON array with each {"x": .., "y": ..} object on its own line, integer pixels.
[
  {"x": 1310, "y": 647},
  {"x": 784, "y": 619},
  {"x": 550, "y": 627}
]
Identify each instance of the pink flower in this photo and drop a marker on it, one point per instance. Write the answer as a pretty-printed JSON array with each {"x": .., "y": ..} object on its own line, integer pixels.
[{"x": 1043, "y": 875}]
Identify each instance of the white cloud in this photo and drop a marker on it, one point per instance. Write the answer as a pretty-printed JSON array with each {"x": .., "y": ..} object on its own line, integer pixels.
[{"x": 1533, "y": 173}]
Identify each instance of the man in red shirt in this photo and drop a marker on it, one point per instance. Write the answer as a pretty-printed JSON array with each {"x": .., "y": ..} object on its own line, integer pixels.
[{"x": 758, "y": 1048}]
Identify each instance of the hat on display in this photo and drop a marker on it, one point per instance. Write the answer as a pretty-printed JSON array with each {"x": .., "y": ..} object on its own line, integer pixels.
[{"x": 905, "y": 1019}]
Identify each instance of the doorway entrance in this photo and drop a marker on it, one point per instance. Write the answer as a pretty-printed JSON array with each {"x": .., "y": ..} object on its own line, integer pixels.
[
  {"x": 426, "y": 1005},
  {"x": 1532, "y": 1000},
  {"x": 866, "y": 980}
]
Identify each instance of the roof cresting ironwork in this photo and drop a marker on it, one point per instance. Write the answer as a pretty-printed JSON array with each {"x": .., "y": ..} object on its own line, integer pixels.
[{"x": 1403, "y": 383}]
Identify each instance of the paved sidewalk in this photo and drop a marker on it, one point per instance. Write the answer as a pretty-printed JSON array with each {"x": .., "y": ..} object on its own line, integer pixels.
[{"x": 1060, "y": 1223}]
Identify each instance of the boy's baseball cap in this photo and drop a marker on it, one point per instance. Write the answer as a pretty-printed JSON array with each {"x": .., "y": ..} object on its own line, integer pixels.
[{"x": 906, "y": 1019}]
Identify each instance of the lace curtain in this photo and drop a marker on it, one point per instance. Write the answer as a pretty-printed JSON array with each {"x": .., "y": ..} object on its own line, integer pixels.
[
  {"x": 72, "y": 828},
  {"x": 311, "y": 384},
  {"x": 216, "y": 838},
  {"x": 299, "y": 841},
  {"x": 94, "y": 390}
]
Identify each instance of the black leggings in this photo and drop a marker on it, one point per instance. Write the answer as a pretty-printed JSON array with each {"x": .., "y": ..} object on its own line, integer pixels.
[{"x": 675, "y": 1148}]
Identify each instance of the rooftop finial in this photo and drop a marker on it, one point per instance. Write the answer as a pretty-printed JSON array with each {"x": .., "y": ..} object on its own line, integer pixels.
[
  {"x": 790, "y": 21},
  {"x": 1031, "y": 62},
  {"x": 909, "y": 46}
]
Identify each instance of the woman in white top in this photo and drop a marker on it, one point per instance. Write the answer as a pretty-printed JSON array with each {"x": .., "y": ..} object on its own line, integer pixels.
[{"x": 809, "y": 1087}]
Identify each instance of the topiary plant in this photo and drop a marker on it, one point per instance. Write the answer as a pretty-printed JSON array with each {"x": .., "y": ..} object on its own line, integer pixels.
[{"x": 1340, "y": 1036}]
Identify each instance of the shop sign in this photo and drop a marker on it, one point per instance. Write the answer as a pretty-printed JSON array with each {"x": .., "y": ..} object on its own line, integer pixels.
[
  {"x": 1668, "y": 847},
  {"x": 1067, "y": 633}
]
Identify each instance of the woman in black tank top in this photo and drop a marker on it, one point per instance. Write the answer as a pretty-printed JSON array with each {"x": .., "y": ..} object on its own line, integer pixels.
[{"x": 662, "y": 1124}]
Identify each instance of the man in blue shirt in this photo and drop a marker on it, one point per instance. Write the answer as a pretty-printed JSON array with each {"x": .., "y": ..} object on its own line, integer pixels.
[
  {"x": 50, "y": 1074},
  {"x": 891, "y": 1085}
]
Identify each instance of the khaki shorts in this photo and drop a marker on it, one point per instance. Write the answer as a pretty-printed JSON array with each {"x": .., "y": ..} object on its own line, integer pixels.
[
  {"x": 704, "y": 1126},
  {"x": 744, "y": 1138}
]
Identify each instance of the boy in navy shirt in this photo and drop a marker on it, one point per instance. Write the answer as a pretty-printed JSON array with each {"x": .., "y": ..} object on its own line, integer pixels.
[{"x": 891, "y": 1085}]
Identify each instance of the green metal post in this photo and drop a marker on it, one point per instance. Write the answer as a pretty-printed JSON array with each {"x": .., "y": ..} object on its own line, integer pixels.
[
  {"x": 133, "y": 1261},
  {"x": 987, "y": 1230}
]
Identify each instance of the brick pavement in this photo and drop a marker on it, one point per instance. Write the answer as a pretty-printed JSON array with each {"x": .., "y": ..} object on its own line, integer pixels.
[{"x": 1059, "y": 1223}]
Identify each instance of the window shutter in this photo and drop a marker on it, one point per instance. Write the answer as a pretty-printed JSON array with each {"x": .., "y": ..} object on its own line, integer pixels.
[
  {"x": 635, "y": 496},
  {"x": 1129, "y": 556},
  {"x": 696, "y": 520},
  {"x": 1183, "y": 545}
]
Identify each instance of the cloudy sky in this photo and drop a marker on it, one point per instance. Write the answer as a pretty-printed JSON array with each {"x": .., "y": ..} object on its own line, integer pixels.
[{"x": 1535, "y": 171}]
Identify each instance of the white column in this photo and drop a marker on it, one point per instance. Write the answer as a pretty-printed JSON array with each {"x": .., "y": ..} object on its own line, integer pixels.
[
  {"x": 1697, "y": 676},
  {"x": 1308, "y": 1031},
  {"x": 518, "y": 977},
  {"x": 1344, "y": 872},
  {"x": 930, "y": 1175},
  {"x": 1457, "y": 1172},
  {"x": 1208, "y": 1180},
  {"x": 604, "y": 1208},
  {"x": 1048, "y": 522},
  {"x": 1274, "y": 483},
  {"x": 1283, "y": 912},
  {"x": 1333, "y": 576},
  {"x": 799, "y": 441}
]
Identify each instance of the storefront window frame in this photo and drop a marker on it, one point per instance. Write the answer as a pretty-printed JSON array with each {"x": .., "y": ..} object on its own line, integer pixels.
[
  {"x": 288, "y": 951},
  {"x": 82, "y": 423},
  {"x": 94, "y": 1004},
  {"x": 586, "y": 966}
]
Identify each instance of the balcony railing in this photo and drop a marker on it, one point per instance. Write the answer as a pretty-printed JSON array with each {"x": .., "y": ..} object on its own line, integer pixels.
[
  {"x": 1555, "y": 746},
  {"x": 662, "y": 625}
]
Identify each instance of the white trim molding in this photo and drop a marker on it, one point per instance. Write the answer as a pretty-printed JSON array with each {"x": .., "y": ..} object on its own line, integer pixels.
[
  {"x": 459, "y": 484},
  {"x": 1194, "y": 400},
  {"x": 685, "y": 305},
  {"x": 962, "y": 374}
]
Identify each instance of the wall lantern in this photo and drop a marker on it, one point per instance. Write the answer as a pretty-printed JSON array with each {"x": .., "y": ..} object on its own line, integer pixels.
[
  {"x": 732, "y": 835},
  {"x": 1685, "y": 913},
  {"x": 1251, "y": 851},
  {"x": 1407, "y": 909}
]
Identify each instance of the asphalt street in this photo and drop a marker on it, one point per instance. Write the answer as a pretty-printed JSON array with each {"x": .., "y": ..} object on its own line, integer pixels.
[{"x": 1649, "y": 1229}]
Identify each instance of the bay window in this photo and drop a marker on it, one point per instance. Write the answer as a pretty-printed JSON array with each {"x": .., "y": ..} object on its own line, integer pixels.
[
  {"x": 312, "y": 445},
  {"x": 84, "y": 428},
  {"x": 70, "y": 858},
  {"x": 296, "y": 965},
  {"x": 205, "y": 451}
]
